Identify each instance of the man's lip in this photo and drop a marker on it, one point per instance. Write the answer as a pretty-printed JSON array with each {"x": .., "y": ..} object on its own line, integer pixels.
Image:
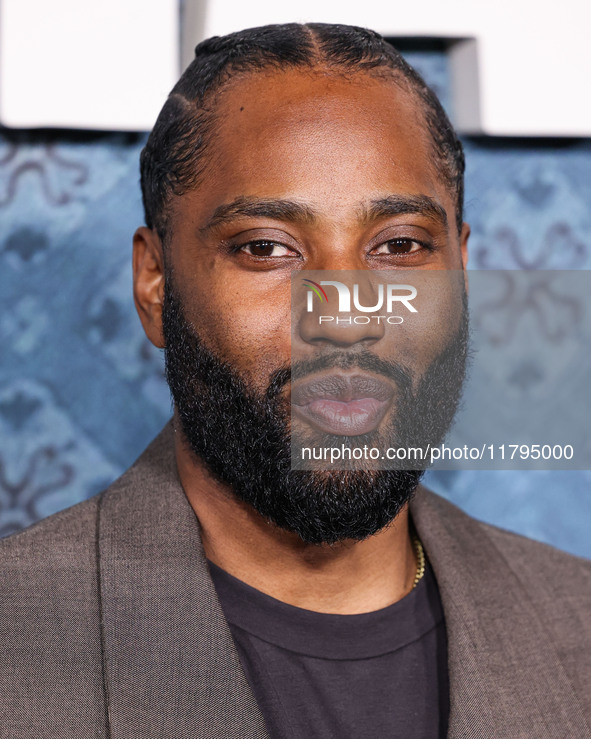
[{"x": 342, "y": 404}]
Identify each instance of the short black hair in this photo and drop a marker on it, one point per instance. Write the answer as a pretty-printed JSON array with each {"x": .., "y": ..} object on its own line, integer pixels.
[{"x": 172, "y": 161}]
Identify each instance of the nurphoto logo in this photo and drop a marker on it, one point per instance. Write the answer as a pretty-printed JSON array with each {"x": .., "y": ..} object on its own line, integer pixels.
[{"x": 387, "y": 297}]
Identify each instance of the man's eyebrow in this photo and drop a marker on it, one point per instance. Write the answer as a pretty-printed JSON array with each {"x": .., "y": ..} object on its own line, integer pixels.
[
  {"x": 281, "y": 210},
  {"x": 394, "y": 205}
]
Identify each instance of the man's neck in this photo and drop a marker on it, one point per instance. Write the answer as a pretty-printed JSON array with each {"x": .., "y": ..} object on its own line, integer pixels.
[{"x": 345, "y": 578}]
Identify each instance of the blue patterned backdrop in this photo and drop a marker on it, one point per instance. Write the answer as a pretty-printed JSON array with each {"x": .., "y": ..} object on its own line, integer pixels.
[{"x": 82, "y": 390}]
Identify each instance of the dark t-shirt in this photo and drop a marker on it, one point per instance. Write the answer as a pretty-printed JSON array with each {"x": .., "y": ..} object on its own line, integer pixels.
[{"x": 378, "y": 674}]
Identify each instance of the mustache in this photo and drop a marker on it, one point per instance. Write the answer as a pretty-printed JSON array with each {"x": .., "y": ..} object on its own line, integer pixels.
[{"x": 343, "y": 360}]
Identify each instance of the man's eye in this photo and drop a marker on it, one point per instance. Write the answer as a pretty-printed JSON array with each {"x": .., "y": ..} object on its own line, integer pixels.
[
  {"x": 399, "y": 246},
  {"x": 266, "y": 249}
]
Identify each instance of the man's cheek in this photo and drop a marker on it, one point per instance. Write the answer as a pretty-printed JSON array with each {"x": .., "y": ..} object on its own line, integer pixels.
[
  {"x": 255, "y": 347},
  {"x": 425, "y": 334}
]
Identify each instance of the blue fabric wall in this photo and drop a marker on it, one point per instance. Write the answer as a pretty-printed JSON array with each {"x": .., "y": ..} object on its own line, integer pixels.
[{"x": 81, "y": 389}]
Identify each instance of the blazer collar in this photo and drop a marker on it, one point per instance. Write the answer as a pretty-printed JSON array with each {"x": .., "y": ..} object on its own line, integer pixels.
[
  {"x": 506, "y": 677},
  {"x": 171, "y": 667}
]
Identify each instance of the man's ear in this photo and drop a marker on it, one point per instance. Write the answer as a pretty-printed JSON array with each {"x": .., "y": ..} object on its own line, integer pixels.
[{"x": 148, "y": 282}]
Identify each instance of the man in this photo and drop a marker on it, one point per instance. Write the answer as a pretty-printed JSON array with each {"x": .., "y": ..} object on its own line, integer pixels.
[{"x": 215, "y": 591}]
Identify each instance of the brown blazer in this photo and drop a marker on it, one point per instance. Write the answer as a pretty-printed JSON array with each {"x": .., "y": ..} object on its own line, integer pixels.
[{"x": 110, "y": 625}]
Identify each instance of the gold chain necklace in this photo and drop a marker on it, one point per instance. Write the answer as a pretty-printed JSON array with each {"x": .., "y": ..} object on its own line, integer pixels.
[{"x": 420, "y": 554}]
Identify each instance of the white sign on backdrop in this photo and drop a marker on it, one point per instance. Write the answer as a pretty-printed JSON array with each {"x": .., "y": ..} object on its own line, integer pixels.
[
  {"x": 519, "y": 67},
  {"x": 103, "y": 64}
]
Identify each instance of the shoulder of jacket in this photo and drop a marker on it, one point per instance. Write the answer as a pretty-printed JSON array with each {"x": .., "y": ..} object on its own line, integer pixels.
[
  {"x": 543, "y": 566},
  {"x": 62, "y": 533},
  {"x": 546, "y": 567},
  {"x": 56, "y": 556},
  {"x": 75, "y": 528}
]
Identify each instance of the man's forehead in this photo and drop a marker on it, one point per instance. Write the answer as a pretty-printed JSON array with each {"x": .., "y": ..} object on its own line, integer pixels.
[
  {"x": 296, "y": 118},
  {"x": 331, "y": 88}
]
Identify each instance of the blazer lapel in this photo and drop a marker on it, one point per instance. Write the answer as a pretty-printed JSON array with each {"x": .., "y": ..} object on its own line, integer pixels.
[
  {"x": 506, "y": 678},
  {"x": 170, "y": 665}
]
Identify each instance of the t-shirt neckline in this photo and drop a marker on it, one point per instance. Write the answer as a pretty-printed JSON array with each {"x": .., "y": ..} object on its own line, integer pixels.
[{"x": 325, "y": 635}]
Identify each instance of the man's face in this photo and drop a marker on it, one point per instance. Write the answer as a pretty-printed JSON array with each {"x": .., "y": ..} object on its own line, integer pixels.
[
  {"x": 331, "y": 146},
  {"x": 305, "y": 172}
]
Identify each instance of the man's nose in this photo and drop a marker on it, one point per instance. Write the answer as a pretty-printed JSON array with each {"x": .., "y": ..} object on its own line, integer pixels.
[{"x": 326, "y": 325}]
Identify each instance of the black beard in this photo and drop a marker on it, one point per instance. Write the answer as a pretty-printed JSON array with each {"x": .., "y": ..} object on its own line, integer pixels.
[{"x": 242, "y": 435}]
